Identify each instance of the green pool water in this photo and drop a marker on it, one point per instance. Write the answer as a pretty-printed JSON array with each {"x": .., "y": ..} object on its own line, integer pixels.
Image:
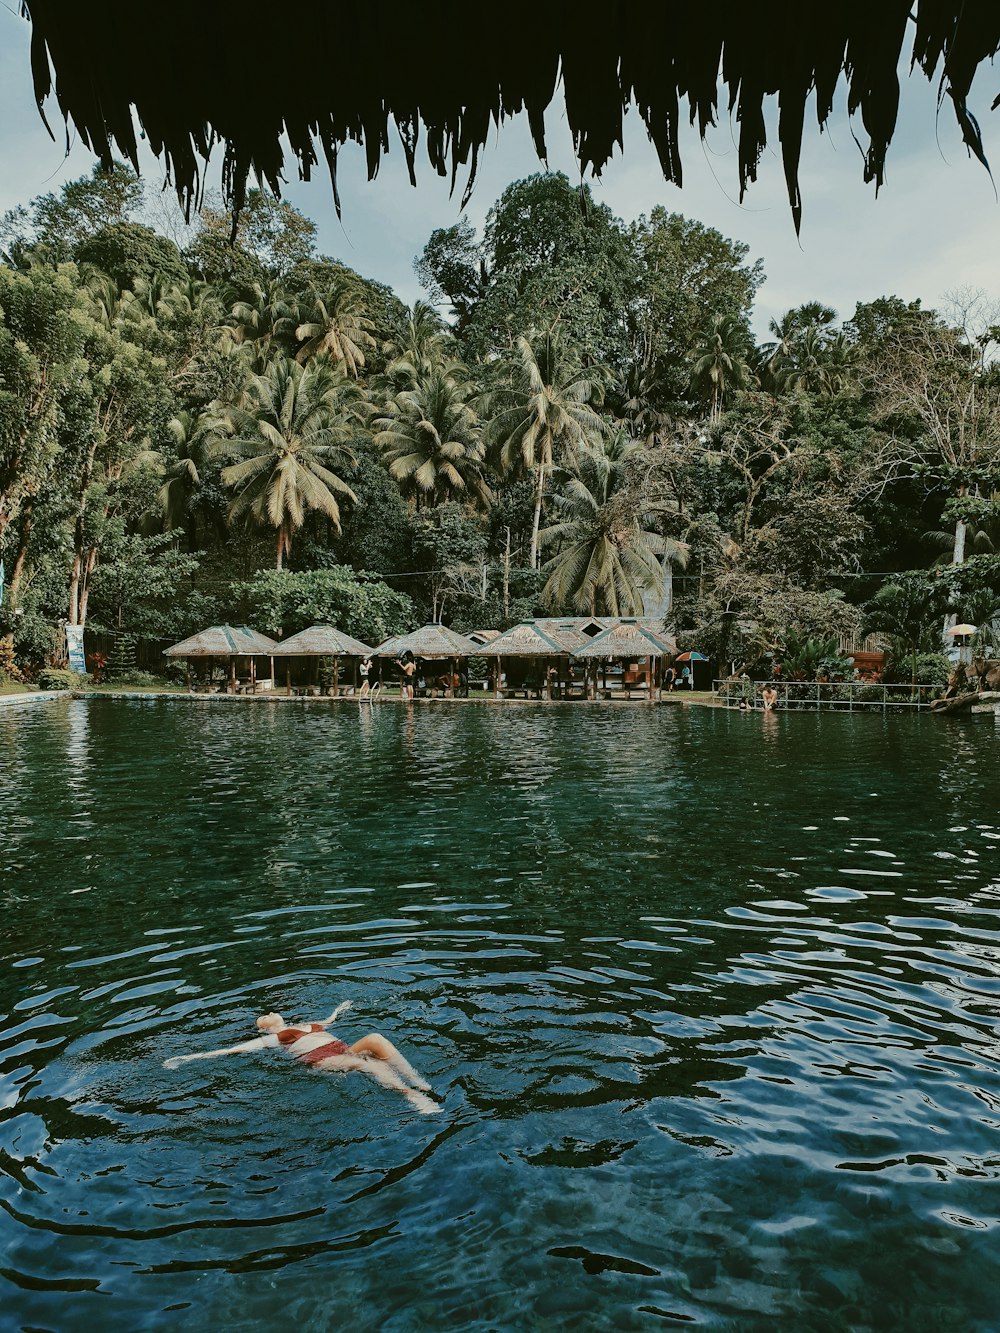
[{"x": 710, "y": 1002}]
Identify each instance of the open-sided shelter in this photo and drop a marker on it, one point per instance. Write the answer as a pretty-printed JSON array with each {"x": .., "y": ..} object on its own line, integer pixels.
[
  {"x": 630, "y": 641},
  {"x": 432, "y": 642},
  {"x": 226, "y": 643},
  {"x": 321, "y": 641},
  {"x": 536, "y": 653}
]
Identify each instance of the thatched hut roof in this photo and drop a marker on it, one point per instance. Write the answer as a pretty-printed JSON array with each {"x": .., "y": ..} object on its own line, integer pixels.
[
  {"x": 363, "y": 78},
  {"x": 322, "y": 641},
  {"x": 483, "y": 635},
  {"x": 628, "y": 639},
  {"x": 223, "y": 641},
  {"x": 572, "y": 632},
  {"x": 525, "y": 640},
  {"x": 430, "y": 641}
]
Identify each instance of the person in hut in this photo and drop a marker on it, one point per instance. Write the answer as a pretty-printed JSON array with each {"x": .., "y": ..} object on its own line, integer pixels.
[{"x": 408, "y": 668}]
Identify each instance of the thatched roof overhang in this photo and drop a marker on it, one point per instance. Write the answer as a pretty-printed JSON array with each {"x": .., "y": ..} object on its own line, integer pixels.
[
  {"x": 363, "y": 78},
  {"x": 483, "y": 635},
  {"x": 525, "y": 640},
  {"x": 629, "y": 640},
  {"x": 572, "y": 632},
  {"x": 223, "y": 641},
  {"x": 321, "y": 641},
  {"x": 430, "y": 641}
]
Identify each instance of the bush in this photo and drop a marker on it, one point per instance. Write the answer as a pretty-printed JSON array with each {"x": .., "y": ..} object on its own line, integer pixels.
[
  {"x": 57, "y": 678},
  {"x": 931, "y": 669},
  {"x": 139, "y": 680}
]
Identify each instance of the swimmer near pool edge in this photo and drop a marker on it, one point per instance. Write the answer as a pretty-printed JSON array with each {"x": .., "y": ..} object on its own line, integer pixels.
[{"x": 312, "y": 1044}]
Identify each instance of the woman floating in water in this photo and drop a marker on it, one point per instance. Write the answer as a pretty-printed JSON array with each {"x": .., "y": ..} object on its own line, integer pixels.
[{"x": 313, "y": 1045}]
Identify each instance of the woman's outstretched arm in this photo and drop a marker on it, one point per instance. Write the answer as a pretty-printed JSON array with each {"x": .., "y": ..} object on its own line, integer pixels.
[{"x": 258, "y": 1044}]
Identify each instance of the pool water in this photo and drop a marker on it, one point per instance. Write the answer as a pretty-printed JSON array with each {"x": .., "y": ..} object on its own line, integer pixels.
[{"x": 710, "y": 1002}]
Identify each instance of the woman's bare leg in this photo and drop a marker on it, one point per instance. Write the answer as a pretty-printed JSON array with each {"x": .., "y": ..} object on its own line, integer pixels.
[
  {"x": 378, "y": 1070},
  {"x": 382, "y": 1049}
]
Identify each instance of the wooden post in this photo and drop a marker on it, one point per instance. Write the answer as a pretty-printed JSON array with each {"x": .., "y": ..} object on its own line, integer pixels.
[
  {"x": 336, "y": 675},
  {"x": 288, "y": 675},
  {"x": 272, "y": 674},
  {"x": 650, "y": 683},
  {"x": 450, "y": 692},
  {"x": 253, "y": 675},
  {"x": 232, "y": 674}
]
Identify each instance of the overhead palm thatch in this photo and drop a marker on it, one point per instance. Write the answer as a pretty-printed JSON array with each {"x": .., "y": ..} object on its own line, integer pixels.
[
  {"x": 322, "y": 641},
  {"x": 629, "y": 640},
  {"x": 239, "y": 74},
  {"x": 525, "y": 640},
  {"x": 430, "y": 641},
  {"x": 223, "y": 641}
]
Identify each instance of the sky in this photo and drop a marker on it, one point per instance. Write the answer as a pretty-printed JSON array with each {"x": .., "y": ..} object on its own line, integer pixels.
[{"x": 933, "y": 229}]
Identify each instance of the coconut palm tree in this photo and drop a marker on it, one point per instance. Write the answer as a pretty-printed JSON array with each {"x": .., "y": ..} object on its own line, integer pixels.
[
  {"x": 183, "y": 473},
  {"x": 263, "y": 319},
  {"x": 431, "y": 439},
  {"x": 607, "y": 556},
  {"x": 421, "y": 346},
  {"x": 544, "y": 412},
  {"x": 335, "y": 326},
  {"x": 719, "y": 362},
  {"x": 292, "y": 433}
]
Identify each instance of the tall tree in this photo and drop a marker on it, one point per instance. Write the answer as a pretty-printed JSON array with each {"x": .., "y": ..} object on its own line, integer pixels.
[
  {"x": 608, "y": 556},
  {"x": 335, "y": 325},
  {"x": 292, "y": 439},
  {"x": 719, "y": 362},
  {"x": 432, "y": 440},
  {"x": 543, "y": 412}
]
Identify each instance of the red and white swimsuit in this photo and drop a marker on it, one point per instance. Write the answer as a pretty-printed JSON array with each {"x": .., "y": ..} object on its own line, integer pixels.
[{"x": 301, "y": 1042}]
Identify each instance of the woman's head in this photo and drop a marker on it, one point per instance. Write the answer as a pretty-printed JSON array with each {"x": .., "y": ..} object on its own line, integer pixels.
[{"x": 270, "y": 1023}]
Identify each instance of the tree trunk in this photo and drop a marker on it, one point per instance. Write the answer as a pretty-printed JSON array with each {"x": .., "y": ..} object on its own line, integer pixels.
[
  {"x": 20, "y": 558},
  {"x": 536, "y": 517},
  {"x": 89, "y": 564},
  {"x": 506, "y": 578},
  {"x": 77, "y": 571}
]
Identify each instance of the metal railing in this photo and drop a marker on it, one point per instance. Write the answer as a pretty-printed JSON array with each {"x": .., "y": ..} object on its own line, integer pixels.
[{"x": 839, "y": 696}]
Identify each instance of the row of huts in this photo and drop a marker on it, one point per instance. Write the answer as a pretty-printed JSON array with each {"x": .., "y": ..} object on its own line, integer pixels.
[{"x": 551, "y": 657}]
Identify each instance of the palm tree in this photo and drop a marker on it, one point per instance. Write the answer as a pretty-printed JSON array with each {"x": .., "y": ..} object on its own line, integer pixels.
[
  {"x": 335, "y": 327},
  {"x": 720, "y": 363},
  {"x": 607, "y": 559},
  {"x": 263, "y": 319},
  {"x": 290, "y": 435},
  {"x": 544, "y": 411},
  {"x": 431, "y": 439},
  {"x": 423, "y": 345},
  {"x": 183, "y": 472}
]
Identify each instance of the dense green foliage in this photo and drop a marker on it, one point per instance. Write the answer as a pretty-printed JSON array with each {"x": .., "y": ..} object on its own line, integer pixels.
[{"x": 252, "y": 432}]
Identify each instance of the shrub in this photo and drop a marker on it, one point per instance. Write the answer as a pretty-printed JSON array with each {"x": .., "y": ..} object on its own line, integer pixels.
[
  {"x": 927, "y": 669},
  {"x": 139, "y": 680},
  {"x": 58, "y": 678}
]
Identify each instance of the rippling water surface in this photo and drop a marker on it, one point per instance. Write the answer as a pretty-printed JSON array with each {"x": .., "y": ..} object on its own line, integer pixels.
[{"x": 710, "y": 1000}]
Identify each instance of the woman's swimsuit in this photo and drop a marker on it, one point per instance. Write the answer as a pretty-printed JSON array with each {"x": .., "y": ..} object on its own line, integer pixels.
[{"x": 314, "y": 1054}]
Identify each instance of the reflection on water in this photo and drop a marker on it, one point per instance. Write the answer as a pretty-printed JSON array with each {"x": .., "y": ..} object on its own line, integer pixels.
[{"x": 711, "y": 1001}]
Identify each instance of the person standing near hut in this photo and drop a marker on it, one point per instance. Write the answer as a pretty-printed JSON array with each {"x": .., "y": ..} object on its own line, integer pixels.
[
  {"x": 364, "y": 671},
  {"x": 687, "y": 680},
  {"x": 408, "y": 667}
]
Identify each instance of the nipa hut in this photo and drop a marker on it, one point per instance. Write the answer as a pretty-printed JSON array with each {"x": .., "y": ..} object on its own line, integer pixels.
[
  {"x": 322, "y": 641},
  {"x": 434, "y": 643},
  {"x": 630, "y": 641},
  {"x": 541, "y": 660},
  {"x": 227, "y": 643}
]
